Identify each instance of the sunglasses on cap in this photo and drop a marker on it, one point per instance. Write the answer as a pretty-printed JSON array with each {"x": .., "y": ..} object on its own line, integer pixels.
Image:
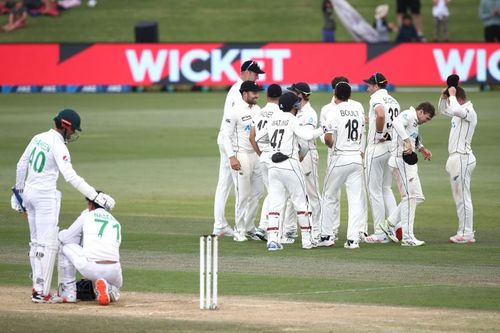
[{"x": 253, "y": 62}]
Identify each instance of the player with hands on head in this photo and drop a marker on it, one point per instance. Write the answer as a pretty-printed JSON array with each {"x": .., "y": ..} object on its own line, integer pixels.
[
  {"x": 249, "y": 71},
  {"x": 90, "y": 245},
  {"x": 244, "y": 162},
  {"x": 461, "y": 161},
  {"x": 405, "y": 141},
  {"x": 382, "y": 111},
  {"x": 345, "y": 135},
  {"x": 36, "y": 181},
  {"x": 285, "y": 175}
]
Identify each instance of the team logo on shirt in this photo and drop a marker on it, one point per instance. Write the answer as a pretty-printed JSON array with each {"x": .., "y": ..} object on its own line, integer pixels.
[{"x": 65, "y": 158}]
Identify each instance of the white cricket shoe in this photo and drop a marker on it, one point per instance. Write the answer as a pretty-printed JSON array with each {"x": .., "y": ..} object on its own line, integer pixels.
[
  {"x": 114, "y": 293},
  {"x": 102, "y": 292},
  {"x": 40, "y": 299},
  {"x": 326, "y": 241},
  {"x": 309, "y": 245},
  {"x": 412, "y": 242},
  {"x": 351, "y": 244},
  {"x": 237, "y": 237},
  {"x": 287, "y": 240},
  {"x": 291, "y": 234},
  {"x": 65, "y": 294},
  {"x": 377, "y": 239},
  {"x": 261, "y": 233},
  {"x": 251, "y": 235},
  {"x": 273, "y": 246},
  {"x": 462, "y": 240},
  {"x": 224, "y": 231},
  {"x": 92, "y": 3},
  {"x": 389, "y": 230}
]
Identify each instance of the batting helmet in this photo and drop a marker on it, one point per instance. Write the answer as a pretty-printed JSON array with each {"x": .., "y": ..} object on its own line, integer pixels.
[{"x": 69, "y": 118}]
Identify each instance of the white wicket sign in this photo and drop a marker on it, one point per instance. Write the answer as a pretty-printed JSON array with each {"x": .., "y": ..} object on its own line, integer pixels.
[{"x": 209, "y": 268}]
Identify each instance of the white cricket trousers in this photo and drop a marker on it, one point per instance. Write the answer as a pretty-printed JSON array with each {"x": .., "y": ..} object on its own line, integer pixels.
[
  {"x": 309, "y": 166},
  {"x": 248, "y": 188},
  {"x": 378, "y": 182},
  {"x": 348, "y": 170},
  {"x": 287, "y": 180},
  {"x": 264, "y": 170},
  {"x": 408, "y": 182},
  {"x": 43, "y": 209},
  {"x": 460, "y": 168},
  {"x": 224, "y": 185},
  {"x": 72, "y": 257}
]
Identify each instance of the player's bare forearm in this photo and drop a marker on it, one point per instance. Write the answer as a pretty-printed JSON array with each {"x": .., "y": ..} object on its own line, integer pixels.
[
  {"x": 407, "y": 146},
  {"x": 426, "y": 153}
]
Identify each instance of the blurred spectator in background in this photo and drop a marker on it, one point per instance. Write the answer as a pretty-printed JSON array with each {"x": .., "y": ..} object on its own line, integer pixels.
[
  {"x": 381, "y": 25},
  {"x": 17, "y": 17},
  {"x": 49, "y": 7},
  {"x": 412, "y": 6},
  {"x": 329, "y": 25},
  {"x": 489, "y": 12},
  {"x": 4, "y": 8},
  {"x": 407, "y": 31},
  {"x": 69, "y": 3},
  {"x": 440, "y": 13}
]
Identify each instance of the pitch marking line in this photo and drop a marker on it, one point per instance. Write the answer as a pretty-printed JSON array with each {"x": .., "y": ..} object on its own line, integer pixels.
[{"x": 355, "y": 290}]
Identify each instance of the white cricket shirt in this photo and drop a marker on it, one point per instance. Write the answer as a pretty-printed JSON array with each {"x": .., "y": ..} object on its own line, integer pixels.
[
  {"x": 404, "y": 126},
  {"x": 100, "y": 232},
  {"x": 45, "y": 156},
  {"x": 236, "y": 128},
  {"x": 307, "y": 117},
  {"x": 463, "y": 124},
  {"x": 232, "y": 98},
  {"x": 283, "y": 133},
  {"x": 261, "y": 121},
  {"x": 391, "y": 111},
  {"x": 346, "y": 122}
]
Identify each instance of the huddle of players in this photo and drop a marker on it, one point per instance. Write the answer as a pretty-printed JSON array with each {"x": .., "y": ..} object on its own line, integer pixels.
[{"x": 276, "y": 147}]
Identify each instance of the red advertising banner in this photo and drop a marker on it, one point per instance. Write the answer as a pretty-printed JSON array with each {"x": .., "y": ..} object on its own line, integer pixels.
[{"x": 219, "y": 63}]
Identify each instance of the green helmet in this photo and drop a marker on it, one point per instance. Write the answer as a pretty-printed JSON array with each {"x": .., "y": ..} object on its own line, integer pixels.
[{"x": 68, "y": 117}]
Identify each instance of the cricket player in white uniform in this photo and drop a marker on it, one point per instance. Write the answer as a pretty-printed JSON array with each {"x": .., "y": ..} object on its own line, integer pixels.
[
  {"x": 285, "y": 174},
  {"x": 90, "y": 245},
  {"x": 263, "y": 149},
  {"x": 250, "y": 71},
  {"x": 345, "y": 136},
  {"x": 307, "y": 117},
  {"x": 405, "y": 140},
  {"x": 461, "y": 162},
  {"x": 383, "y": 109},
  {"x": 329, "y": 233},
  {"x": 244, "y": 161},
  {"x": 36, "y": 180}
]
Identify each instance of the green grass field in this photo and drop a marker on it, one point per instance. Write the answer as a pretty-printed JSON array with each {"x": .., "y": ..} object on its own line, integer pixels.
[
  {"x": 222, "y": 21},
  {"x": 156, "y": 154}
]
